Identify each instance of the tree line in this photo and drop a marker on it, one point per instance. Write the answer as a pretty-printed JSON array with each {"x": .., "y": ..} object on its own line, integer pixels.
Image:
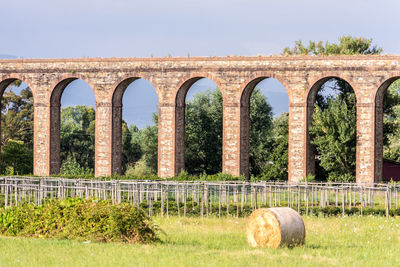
[{"x": 333, "y": 130}]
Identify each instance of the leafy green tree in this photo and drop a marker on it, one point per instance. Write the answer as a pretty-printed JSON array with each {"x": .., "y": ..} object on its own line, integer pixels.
[
  {"x": 131, "y": 145},
  {"x": 17, "y": 117},
  {"x": 17, "y": 130},
  {"x": 277, "y": 166},
  {"x": 261, "y": 133},
  {"x": 203, "y": 136},
  {"x": 334, "y": 133},
  {"x": 149, "y": 144},
  {"x": 348, "y": 45},
  {"x": 16, "y": 158},
  {"x": 391, "y": 126},
  {"x": 70, "y": 167},
  {"x": 77, "y": 135}
]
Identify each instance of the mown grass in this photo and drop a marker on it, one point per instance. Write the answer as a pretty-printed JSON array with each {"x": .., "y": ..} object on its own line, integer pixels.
[{"x": 349, "y": 241}]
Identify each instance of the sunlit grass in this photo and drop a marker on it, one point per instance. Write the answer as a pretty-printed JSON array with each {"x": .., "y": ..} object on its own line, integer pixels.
[{"x": 368, "y": 241}]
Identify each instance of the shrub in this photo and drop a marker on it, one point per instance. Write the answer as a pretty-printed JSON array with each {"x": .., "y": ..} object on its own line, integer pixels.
[
  {"x": 72, "y": 168},
  {"x": 140, "y": 169},
  {"x": 79, "y": 219}
]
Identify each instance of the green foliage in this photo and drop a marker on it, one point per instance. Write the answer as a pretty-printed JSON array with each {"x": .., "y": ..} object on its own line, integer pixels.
[
  {"x": 77, "y": 135},
  {"x": 309, "y": 178},
  {"x": 17, "y": 131},
  {"x": 203, "y": 133},
  {"x": 16, "y": 158},
  {"x": 70, "y": 167},
  {"x": 261, "y": 135},
  {"x": 131, "y": 146},
  {"x": 79, "y": 219},
  {"x": 391, "y": 120},
  {"x": 184, "y": 176},
  {"x": 17, "y": 116},
  {"x": 193, "y": 209},
  {"x": 140, "y": 170},
  {"x": 146, "y": 174},
  {"x": 347, "y": 45},
  {"x": 277, "y": 165},
  {"x": 149, "y": 144},
  {"x": 334, "y": 135}
]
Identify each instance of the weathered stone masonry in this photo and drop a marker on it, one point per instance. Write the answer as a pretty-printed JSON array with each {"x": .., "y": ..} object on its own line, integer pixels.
[{"x": 236, "y": 77}]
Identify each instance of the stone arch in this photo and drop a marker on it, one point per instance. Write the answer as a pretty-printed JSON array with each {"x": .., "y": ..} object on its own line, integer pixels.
[
  {"x": 185, "y": 84},
  {"x": 378, "y": 125},
  {"x": 310, "y": 98},
  {"x": 8, "y": 79},
  {"x": 317, "y": 82},
  {"x": 248, "y": 86},
  {"x": 59, "y": 86},
  {"x": 179, "y": 104},
  {"x": 117, "y": 96},
  {"x": 55, "y": 109},
  {"x": 245, "y": 94},
  {"x": 119, "y": 87},
  {"x": 382, "y": 87}
]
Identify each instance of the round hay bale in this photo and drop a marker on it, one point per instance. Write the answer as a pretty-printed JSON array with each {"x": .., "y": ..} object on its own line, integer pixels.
[{"x": 275, "y": 227}]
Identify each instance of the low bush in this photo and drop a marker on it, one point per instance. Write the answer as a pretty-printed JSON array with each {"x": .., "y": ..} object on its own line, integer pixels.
[
  {"x": 71, "y": 168},
  {"x": 79, "y": 219},
  {"x": 194, "y": 209}
]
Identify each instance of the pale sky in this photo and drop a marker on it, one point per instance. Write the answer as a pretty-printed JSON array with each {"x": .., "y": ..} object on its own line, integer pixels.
[{"x": 128, "y": 28}]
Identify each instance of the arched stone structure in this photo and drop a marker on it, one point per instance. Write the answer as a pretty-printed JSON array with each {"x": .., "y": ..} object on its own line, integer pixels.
[
  {"x": 246, "y": 91},
  {"x": 379, "y": 96},
  {"x": 55, "y": 112},
  {"x": 368, "y": 75},
  {"x": 311, "y": 98},
  {"x": 180, "y": 104}
]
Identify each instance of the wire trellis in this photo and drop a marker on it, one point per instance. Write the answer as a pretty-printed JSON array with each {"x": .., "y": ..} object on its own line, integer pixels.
[{"x": 206, "y": 198}]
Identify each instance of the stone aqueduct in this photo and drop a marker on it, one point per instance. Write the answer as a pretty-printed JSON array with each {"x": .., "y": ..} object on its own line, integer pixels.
[{"x": 236, "y": 77}]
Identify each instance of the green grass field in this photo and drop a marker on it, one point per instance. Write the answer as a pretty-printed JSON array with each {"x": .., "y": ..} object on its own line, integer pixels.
[{"x": 350, "y": 241}]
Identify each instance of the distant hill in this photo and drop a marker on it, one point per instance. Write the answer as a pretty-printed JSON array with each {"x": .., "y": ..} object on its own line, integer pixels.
[{"x": 7, "y": 56}]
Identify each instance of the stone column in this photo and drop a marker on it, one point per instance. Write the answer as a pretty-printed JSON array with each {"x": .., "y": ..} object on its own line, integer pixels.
[
  {"x": 245, "y": 139},
  {"x": 301, "y": 160},
  {"x": 45, "y": 160},
  {"x": 232, "y": 158},
  {"x": 116, "y": 162},
  {"x": 167, "y": 156},
  {"x": 103, "y": 139},
  {"x": 179, "y": 138},
  {"x": 369, "y": 143}
]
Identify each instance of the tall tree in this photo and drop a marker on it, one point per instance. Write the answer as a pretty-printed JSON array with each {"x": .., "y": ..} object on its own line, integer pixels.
[
  {"x": 203, "y": 136},
  {"x": 17, "y": 129},
  {"x": 261, "y": 133},
  {"x": 391, "y": 130},
  {"x": 334, "y": 131},
  {"x": 77, "y": 135},
  {"x": 277, "y": 166},
  {"x": 149, "y": 145},
  {"x": 17, "y": 116},
  {"x": 16, "y": 158},
  {"x": 131, "y": 145}
]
